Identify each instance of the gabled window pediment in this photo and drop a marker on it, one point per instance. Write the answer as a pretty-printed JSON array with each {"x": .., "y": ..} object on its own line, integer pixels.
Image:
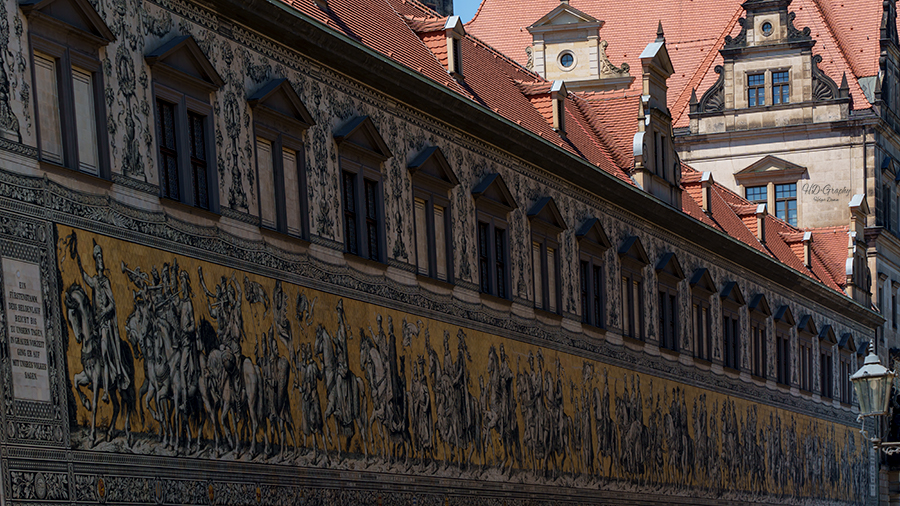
[
  {"x": 493, "y": 191},
  {"x": 731, "y": 292},
  {"x": 847, "y": 343},
  {"x": 827, "y": 334},
  {"x": 632, "y": 249},
  {"x": 431, "y": 166},
  {"x": 701, "y": 280},
  {"x": 184, "y": 57},
  {"x": 278, "y": 97},
  {"x": 591, "y": 233},
  {"x": 784, "y": 316},
  {"x": 544, "y": 213},
  {"x": 78, "y": 16},
  {"x": 668, "y": 265},
  {"x": 360, "y": 134},
  {"x": 807, "y": 325},
  {"x": 564, "y": 16},
  {"x": 759, "y": 305},
  {"x": 769, "y": 168}
]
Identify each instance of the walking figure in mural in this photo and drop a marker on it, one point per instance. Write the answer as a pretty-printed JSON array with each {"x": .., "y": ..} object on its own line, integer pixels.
[
  {"x": 500, "y": 415},
  {"x": 310, "y": 404},
  {"x": 420, "y": 410},
  {"x": 106, "y": 360}
]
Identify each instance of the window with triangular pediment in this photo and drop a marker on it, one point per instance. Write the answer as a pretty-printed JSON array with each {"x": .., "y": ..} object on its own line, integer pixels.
[
  {"x": 433, "y": 180},
  {"x": 546, "y": 225},
  {"x": 493, "y": 203},
  {"x": 702, "y": 289},
  {"x": 183, "y": 83},
  {"x": 668, "y": 275},
  {"x": 633, "y": 258},
  {"x": 280, "y": 120},
  {"x": 593, "y": 244},
  {"x": 66, "y": 37}
]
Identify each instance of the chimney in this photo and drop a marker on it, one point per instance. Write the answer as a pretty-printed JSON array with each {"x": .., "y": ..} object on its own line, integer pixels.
[
  {"x": 761, "y": 223},
  {"x": 558, "y": 96},
  {"x": 706, "y": 182},
  {"x": 807, "y": 250}
]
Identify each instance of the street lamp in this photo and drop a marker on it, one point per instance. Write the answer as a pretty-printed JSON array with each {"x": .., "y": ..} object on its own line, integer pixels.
[{"x": 872, "y": 383}]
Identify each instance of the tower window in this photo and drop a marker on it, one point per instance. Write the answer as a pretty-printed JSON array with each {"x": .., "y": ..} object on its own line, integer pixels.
[
  {"x": 781, "y": 88},
  {"x": 756, "y": 90},
  {"x": 786, "y": 202}
]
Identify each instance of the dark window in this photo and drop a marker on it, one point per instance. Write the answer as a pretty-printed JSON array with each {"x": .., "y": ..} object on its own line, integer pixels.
[
  {"x": 893, "y": 308},
  {"x": 783, "y": 357},
  {"x": 566, "y": 60},
  {"x": 197, "y": 140},
  {"x": 593, "y": 302},
  {"x": 500, "y": 261},
  {"x": 886, "y": 198},
  {"x": 758, "y": 348},
  {"x": 432, "y": 246},
  {"x": 845, "y": 379},
  {"x": 756, "y": 90},
  {"x": 168, "y": 151},
  {"x": 826, "y": 373},
  {"x": 757, "y": 194},
  {"x": 457, "y": 57},
  {"x": 702, "y": 326},
  {"x": 372, "y": 238},
  {"x": 731, "y": 339},
  {"x": 492, "y": 264},
  {"x": 632, "y": 304},
  {"x": 545, "y": 267},
  {"x": 781, "y": 88},
  {"x": 786, "y": 202},
  {"x": 668, "y": 316},
  {"x": 805, "y": 364},
  {"x": 351, "y": 241}
]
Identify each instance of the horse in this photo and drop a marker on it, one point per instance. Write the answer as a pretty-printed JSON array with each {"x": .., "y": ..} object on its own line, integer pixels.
[
  {"x": 151, "y": 337},
  {"x": 376, "y": 375},
  {"x": 80, "y": 314},
  {"x": 344, "y": 393}
]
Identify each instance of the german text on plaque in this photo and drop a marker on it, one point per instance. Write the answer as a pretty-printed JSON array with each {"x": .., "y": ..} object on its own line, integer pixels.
[{"x": 26, "y": 330}]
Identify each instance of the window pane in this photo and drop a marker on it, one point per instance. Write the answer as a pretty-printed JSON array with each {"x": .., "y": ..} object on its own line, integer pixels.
[
  {"x": 48, "y": 108},
  {"x": 85, "y": 121},
  {"x": 783, "y": 191},
  {"x": 421, "y": 236},
  {"x": 292, "y": 193},
  {"x": 351, "y": 239},
  {"x": 757, "y": 194},
  {"x": 551, "y": 278},
  {"x": 585, "y": 292},
  {"x": 626, "y": 306},
  {"x": 599, "y": 306},
  {"x": 197, "y": 139},
  {"x": 372, "y": 239},
  {"x": 440, "y": 242},
  {"x": 500, "y": 256},
  {"x": 168, "y": 156},
  {"x": 537, "y": 270},
  {"x": 266, "y": 183},
  {"x": 484, "y": 262},
  {"x": 756, "y": 79}
]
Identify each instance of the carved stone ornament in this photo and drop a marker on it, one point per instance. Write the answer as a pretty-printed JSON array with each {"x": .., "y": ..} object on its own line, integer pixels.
[
  {"x": 530, "y": 52},
  {"x": 824, "y": 88},
  {"x": 714, "y": 98},
  {"x": 607, "y": 69}
]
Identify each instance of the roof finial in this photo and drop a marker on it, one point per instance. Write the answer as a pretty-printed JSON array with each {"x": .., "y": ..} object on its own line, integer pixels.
[{"x": 660, "y": 36}]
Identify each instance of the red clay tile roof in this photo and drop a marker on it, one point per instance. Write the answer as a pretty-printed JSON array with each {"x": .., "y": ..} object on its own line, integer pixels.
[
  {"x": 847, "y": 37},
  {"x": 599, "y": 126}
]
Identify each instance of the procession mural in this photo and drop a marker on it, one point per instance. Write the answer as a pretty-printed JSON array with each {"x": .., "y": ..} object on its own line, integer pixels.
[{"x": 172, "y": 356}]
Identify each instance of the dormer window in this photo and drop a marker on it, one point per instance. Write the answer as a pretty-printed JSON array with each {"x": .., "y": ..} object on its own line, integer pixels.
[
  {"x": 756, "y": 90},
  {"x": 455, "y": 33},
  {"x": 558, "y": 95}
]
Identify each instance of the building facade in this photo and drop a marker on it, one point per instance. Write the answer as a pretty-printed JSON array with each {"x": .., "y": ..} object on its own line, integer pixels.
[{"x": 342, "y": 252}]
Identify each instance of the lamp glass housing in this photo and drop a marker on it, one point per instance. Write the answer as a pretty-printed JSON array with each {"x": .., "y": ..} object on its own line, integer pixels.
[{"x": 872, "y": 383}]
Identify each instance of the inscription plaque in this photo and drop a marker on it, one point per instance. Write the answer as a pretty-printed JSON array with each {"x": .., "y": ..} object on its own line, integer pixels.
[{"x": 26, "y": 330}]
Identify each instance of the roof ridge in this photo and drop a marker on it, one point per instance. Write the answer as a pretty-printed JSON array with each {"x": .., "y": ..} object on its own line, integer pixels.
[
  {"x": 477, "y": 12},
  {"x": 681, "y": 103}
]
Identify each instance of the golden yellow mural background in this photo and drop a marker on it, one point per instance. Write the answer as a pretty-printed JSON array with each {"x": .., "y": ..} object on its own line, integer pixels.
[{"x": 363, "y": 314}]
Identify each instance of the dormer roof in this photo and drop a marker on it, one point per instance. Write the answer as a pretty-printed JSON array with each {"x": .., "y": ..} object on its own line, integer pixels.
[
  {"x": 703, "y": 281},
  {"x": 668, "y": 264},
  {"x": 732, "y": 292},
  {"x": 431, "y": 163},
  {"x": 759, "y": 304},
  {"x": 279, "y": 97},
  {"x": 591, "y": 231},
  {"x": 784, "y": 315},
  {"x": 632, "y": 249},
  {"x": 78, "y": 14},
  {"x": 184, "y": 56},
  {"x": 545, "y": 212},
  {"x": 493, "y": 190},
  {"x": 827, "y": 334},
  {"x": 360, "y": 133},
  {"x": 807, "y": 324},
  {"x": 847, "y": 343}
]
